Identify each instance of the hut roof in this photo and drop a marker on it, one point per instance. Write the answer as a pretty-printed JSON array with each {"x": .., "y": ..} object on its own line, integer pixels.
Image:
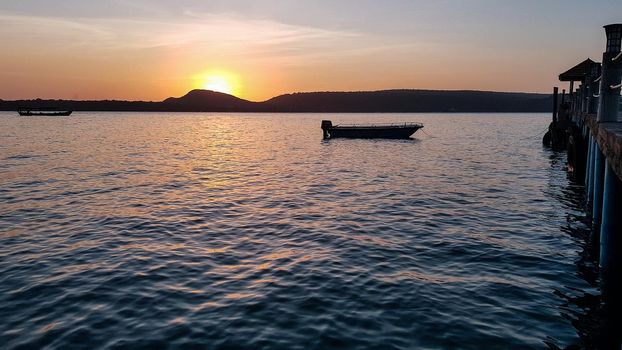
[{"x": 577, "y": 72}]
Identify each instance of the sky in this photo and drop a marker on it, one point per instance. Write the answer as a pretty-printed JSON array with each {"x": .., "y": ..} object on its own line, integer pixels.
[{"x": 151, "y": 50}]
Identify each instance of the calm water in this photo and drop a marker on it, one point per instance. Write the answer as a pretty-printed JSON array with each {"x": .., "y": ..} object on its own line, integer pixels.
[{"x": 247, "y": 231}]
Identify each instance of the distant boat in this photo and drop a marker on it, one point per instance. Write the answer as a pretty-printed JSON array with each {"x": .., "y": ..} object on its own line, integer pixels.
[
  {"x": 370, "y": 131},
  {"x": 43, "y": 111}
]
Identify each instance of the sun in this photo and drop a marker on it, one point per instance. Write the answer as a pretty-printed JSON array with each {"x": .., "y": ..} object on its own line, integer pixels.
[
  {"x": 220, "y": 81},
  {"x": 217, "y": 83}
]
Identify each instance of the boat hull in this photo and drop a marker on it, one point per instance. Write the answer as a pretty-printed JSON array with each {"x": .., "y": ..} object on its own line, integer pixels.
[
  {"x": 372, "y": 133},
  {"x": 45, "y": 113}
]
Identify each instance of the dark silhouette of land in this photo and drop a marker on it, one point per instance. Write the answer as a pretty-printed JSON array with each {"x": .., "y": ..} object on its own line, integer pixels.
[{"x": 391, "y": 101}]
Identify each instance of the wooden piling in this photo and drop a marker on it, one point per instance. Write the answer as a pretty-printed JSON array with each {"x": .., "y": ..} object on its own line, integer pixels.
[
  {"x": 590, "y": 169},
  {"x": 611, "y": 227},
  {"x": 590, "y": 197},
  {"x": 555, "y": 103},
  {"x": 609, "y": 101},
  {"x": 592, "y": 88},
  {"x": 598, "y": 177}
]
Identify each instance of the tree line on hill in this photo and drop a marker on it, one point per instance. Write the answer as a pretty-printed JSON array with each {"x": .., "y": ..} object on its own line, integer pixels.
[{"x": 385, "y": 101}]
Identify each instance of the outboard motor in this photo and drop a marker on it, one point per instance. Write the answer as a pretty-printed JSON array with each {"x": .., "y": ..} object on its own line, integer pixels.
[{"x": 326, "y": 126}]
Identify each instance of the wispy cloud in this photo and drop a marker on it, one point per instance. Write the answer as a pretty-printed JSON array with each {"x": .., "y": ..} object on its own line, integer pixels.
[
  {"x": 193, "y": 31},
  {"x": 24, "y": 30}
]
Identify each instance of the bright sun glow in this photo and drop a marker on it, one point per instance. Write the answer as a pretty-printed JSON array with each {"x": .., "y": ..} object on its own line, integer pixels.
[
  {"x": 218, "y": 81},
  {"x": 219, "y": 84}
]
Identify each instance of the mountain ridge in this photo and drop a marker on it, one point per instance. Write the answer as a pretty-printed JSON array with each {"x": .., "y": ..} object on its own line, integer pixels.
[{"x": 393, "y": 100}]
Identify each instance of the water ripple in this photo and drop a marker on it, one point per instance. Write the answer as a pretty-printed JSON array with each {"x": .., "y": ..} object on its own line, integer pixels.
[{"x": 233, "y": 231}]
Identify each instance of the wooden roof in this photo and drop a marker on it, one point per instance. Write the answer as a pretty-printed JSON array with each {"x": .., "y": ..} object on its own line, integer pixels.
[{"x": 577, "y": 72}]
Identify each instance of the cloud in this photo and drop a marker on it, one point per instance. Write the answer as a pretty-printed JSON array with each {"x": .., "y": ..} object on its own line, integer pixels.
[
  {"x": 191, "y": 31},
  {"x": 23, "y": 30}
]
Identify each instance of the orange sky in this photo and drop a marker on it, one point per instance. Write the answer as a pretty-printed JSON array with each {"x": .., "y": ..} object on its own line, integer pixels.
[{"x": 150, "y": 50}]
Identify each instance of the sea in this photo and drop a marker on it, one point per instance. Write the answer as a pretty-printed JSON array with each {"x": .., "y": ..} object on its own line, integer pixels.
[{"x": 249, "y": 231}]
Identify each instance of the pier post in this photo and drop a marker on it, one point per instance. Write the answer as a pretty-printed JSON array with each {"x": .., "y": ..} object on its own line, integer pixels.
[
  {"x": 611, "y": 226},
  {"x": 590, "y": 185},
  {"x": 555, "y": 104},
  {"x": 577, "y": 99},
  {"x": 589, "y": 169},
  {"x": 598, "y": 187},
  {"x": 583, "y": 95},
  {"x": 592, "y": 88}
]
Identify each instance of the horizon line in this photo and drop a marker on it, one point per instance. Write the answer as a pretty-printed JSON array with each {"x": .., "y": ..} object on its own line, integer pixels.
[{"x": 283, "y": 94}]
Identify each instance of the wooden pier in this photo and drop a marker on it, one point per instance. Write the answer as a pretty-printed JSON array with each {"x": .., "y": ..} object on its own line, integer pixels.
[{"x": 587, "y": 123}]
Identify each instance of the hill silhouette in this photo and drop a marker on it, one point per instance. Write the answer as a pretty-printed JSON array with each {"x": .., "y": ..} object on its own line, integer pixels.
[
  {"x": 411, "y": 101},
  {"x": 360, "y": 101},
  {"x": 207, "y": 100}
]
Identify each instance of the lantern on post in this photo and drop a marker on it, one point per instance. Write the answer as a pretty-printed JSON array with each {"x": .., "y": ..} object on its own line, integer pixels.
[
  {"x": 611, "y": 74},
  {"x": 614, "y": 37}
]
